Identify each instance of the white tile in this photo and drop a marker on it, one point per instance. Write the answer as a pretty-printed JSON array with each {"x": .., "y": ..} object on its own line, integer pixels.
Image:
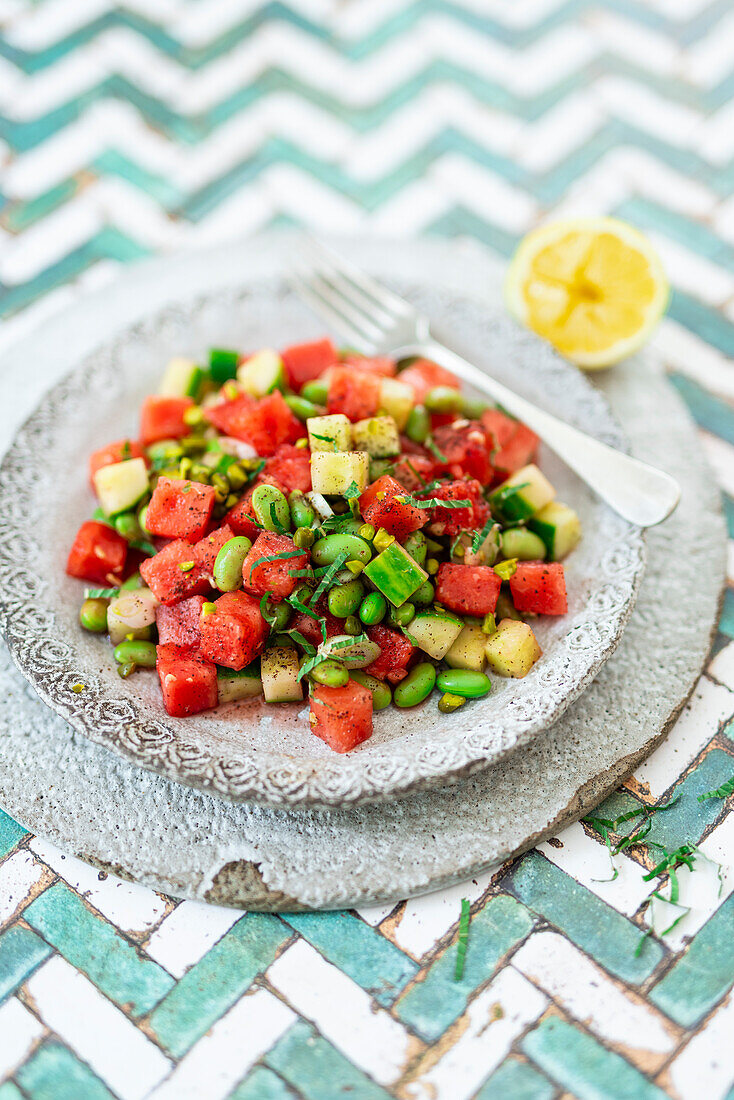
[
  {"x": 588, "y": 862},
  {"x": 721, "y": 457},
  {"x": 131, "y": 907},
  {"x": 492, "y": 1023},
  {"x": 375, "y": 914},
  {"x": 188, "y": 933},
  {"x": 18, "y": 875},
  {"x": 426, "y": 919},
  {"x": 722, "y": 666},
  {"x": 587, "y": 994},
  {"x": 343, "y": 1013},
  {"x": 96, "y": 1030},
  {"x": 709, "y": 705},
  {"x": 19, "y": 1029},
  {"x": 218, "y": 1061},
  {"x": 704, "y": 1067}
]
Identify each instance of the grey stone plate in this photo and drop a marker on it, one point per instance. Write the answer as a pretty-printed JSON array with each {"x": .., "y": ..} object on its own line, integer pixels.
[
  {"x": 250, "y": 751},
  {"x": 185, "y": 842}
]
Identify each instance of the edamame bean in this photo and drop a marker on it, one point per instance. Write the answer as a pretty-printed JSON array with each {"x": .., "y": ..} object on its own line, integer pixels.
[
  {"x": 126, "y": 524},
  {"x": 271, "y": 508},
  {"x": 302, "y": 513},
  {"x": 448, "y": 703},
  {"x": 135, "y": 652},
  {"x": 303, "y": 593},
  {"x": 345, "y": 599},
  {"x": 464, "y": 682},
  {"x": 93, "y": 616},
  {"x": 415, "y": 545},
  {"x": 228, "y": 563},
  {"x": 505, "y": 608},
  {"x": 331, "y": 673},
  {"x": 442, "y": 399},
  {"x": 327, "y": 550},
  {"x": 352, "y": 625},
  {"x": 316, "y": 391},
  {"x": 402, "y": 615},
  {"x": 133, "y": 581},
  {"x": 142, "y": 512},
  {"x": 424, "y": 595},
  {"x": 303, "y": 538},
  {"x": 281, "y": 615},
  {"x": 416, "y": 686},
  {"x": 418, "y": 426},
  {"x": 381, "y": 694},
  {"x": 520, "y": 543},
  {"x": 373, "y": 609},
  {"x": 302, "y": 407},
  {"x": 473, "y": 407}
]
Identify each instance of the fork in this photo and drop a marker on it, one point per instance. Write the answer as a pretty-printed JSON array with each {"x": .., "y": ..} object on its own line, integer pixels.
[{"x": 375, "y": 321}]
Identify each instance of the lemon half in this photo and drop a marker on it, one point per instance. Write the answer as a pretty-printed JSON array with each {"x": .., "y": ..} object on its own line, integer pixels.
[{"x": 593, "y": 287}]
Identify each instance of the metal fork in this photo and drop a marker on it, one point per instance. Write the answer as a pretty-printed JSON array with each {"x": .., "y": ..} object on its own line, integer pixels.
[{"x": 375, "y": 321}]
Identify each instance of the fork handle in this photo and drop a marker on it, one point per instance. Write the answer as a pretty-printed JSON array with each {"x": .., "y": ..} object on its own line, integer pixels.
[{"x": 639, "y": 492}]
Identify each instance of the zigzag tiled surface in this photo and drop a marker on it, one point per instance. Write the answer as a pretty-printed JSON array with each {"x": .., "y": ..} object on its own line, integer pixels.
[{"x": 131, "y": 128}]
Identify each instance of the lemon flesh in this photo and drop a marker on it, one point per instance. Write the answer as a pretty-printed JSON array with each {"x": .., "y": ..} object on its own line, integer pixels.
[{"x": 592, "y": 287}]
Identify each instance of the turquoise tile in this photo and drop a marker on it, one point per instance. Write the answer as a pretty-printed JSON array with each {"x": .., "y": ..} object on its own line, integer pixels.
[
  {"x": 704, "y": 974},
  {"x": 583, "y": 1066},
  {"x": 360, "y": 951},
  {"x": 317, "y": 1070},
  {"x": 650, "y": 216},
  {"x": 11, "y": 833},
  {"x": 726, "y": 622},
  {"x": 685, "y": 822},
  {"x": 91, "y": 944},
  {"x": 705, "y": 321},
  {"x": 21, "y": 215},
  {"x": 9, "y": 1091},
  {"x": 262, "y": 1084},
  {"x": 53, "y": 1073},
  {"x": 709, "y": 412},
  {"x": 21, "y": 951},
  {"x": 516, "y": 1080},
  {"x": 618, "y": 803},
  {"x": 593, "y": 925},
  {"x": 728, "y": 504},
  {"x": 210, "y": 987},
  {"x": 433, "y": 1003}
]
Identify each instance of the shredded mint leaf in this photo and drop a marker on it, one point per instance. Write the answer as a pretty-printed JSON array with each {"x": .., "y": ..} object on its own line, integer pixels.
[
  {"x": 329, "y": 575},
  {"x": 435, "y": 451},
  {"x": 276, "y": 557},
  {"x": 101, "y": 593},
  {"x": 463, "y": 939},
  {"x": 720, "y": 792},
  {"x": 480, "y": 536},
  {"x": 352, "y": 490}
]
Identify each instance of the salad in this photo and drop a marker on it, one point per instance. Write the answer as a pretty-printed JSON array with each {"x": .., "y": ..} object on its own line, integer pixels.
[{"x": 315, "y": 523}]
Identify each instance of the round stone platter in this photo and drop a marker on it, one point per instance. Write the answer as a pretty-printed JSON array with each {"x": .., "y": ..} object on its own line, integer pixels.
[{"x": 184, "y": 842}]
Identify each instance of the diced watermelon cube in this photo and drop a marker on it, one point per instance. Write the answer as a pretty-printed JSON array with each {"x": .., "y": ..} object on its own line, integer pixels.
[
  {"x": 466, "y": 451},
  {"x": 178, "y": 624},
  {"x": 272, "y": 578},
  {"x": 234, "y": 634},
  {"x": 467, "y": 589},
  {"x": 264, "y": 424},
  {"x": 162, "y": 418},
  {"x": 206, "y": 549},
  {"x": 423, "y": 376},
  {"x": 383, "y": 504},
  {"x": 396, "y": 652},
  {"x": 119, "y": 451},
  {"x": 188, "y": 681},
  {"x": 290, "y": 467},
  {"x": 342, "y": 717},
  {"x": 376, "y": 364},
  {"x": 180, "y": 509},
  {"x": 354, "y": 393},
  {"x": 540, "y": 587},
  {"x": 414, "y": 471},
  {"x": 450, "y": 521},
  {"x": 512, "y": 444},
  {"x": 174, "y": 573},
  {"x": 231, "y": 414},
  {"x": 304, "y": 362},
  {"x": 97, "y": 554}
]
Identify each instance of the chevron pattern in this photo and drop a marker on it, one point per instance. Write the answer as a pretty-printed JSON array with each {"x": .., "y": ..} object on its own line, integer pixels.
[{"x": 133, "y": 128}]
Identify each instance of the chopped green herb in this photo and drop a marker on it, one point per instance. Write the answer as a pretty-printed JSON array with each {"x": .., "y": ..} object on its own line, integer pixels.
[
  {"x": 274, "y": 517},
  {"x": 434, "y": 502},
  {"x": 329, "y": 575},
  {"x": 480, "y": 536},
  {"x": 265, "y": 611},
  {"x": 352, "y": 491},
  {"x": 101, "y": 593},
  {"x": 435, "y": 451},
  {"x": 284, "y": 554},
  {"x": 144, "y": 546},
  {"x": 721, "y": 792},
  {"x": 303, "y": 642},
  {"x": 463, "y": 939}
]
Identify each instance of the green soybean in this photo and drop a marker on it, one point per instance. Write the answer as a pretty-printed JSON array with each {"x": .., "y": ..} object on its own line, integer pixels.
[
  {"x": 520, "y": 543},
  {"x": 228, "y": 563},
  {"x": 415, "y": 545},
  {"x": 303, "y": 538},
  {"x": 402, "y": 615},
  {"x": 271, "y": 508},
  {"x": 418, "y": 425},
  {"x": 93, "y": 616},
  {"x": 473, "y": 407},
  {"x": 381, "y": 694},
  {"x": 281, "y": 616},
  {"x": 316, "y": 391},
  {"x": 302, "y": 513},
  {"x": 126, "y": 524},
  {"x": 464, "y": 682},
  {"x": 327, "y": 550},
  {"x": 142, "y": 512},
  {"x": 330, "y": 673},
  {"x": 373, "y": 609},
  {"x": 352, "y": 625},
  {"x": 135, "y": 652},
  {"x": 133, "y": 581},
  {"x": 424, "y": 595},
  {"x": 442, "y": 399},
  {"x": 416, "y": 686},
  {"x": 302, "y": 407},
  {"x": 345, "y": 599}
]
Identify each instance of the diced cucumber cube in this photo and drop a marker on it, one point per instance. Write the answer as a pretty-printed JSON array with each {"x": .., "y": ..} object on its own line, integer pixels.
[
  {"x": 434, "y": 633},
  {"x": 243, "y": 684},
  {"x": 559, "y": 527},
  {"x": 120, "y": 485},
  {"x": 332, "y": 474},
  {"x": 181, "y": 378},
  {"x": 468, "y": 649},
  {"x": 279, "y": 671},
  {"x": 378, "y": 436},
  {"x": 262, "y": 373},
  {"x": 395, "y": 574},
  {"x": 522, "y": 495},
  {"x": 397, "y": 399},
  {"x": 512, "y": 650},
  {"x": 329, "y": 433}
]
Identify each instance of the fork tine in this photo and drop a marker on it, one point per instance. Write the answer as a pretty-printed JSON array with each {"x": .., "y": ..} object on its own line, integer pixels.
[
  {"x": 356, "y": 297},
  {"x": 334, "y": 319},
  {"x": 336, "y": 296},
  {"x": 379, "y": 294}
]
